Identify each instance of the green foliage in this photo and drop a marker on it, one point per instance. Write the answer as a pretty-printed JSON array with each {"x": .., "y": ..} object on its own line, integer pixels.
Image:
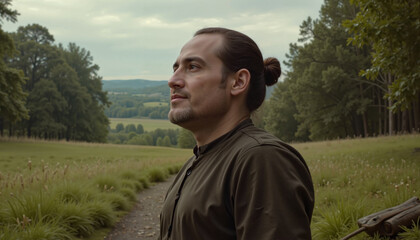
[
  {"x": 358, "y": 177},
  {"x": 324, "y": 97},
  {"x": 157, "y": 174},
  {"x": 6, "y": 12},
  {"x": 45, "y": 104},
  {"x": 147, "y": 124},
  {"x": 337, "y": 220},
  {"x": 76, "y": 218},
  {"x": 71, "y": 190},
  {"x": 352, "y": 178},
  {"x": 12, "y": 96},
  {"x": 392, "y": 29},
  {"x": 157, "y": 137},
  {"x": 101, "y": 213},
  {"x": 119, "y": 127},
  {"x": 65, "y": 97},
  {"x": 130, "y": 128},
  {"x": 279, "y": 116},
  {"x": 186, "y": 139},
  {"x": 137, "y": 105},
  {"x": 412, "y": 233}
]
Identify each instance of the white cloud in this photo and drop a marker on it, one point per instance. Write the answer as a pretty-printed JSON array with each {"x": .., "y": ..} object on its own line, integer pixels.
[
  {"x": 106, "y": 19},
  {"x": 142, "y": 38}
]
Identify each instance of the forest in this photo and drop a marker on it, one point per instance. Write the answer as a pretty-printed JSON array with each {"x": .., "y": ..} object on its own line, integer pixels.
[
  {"x": 354, "y": 72},
  {"x": 48, "y": 90}
]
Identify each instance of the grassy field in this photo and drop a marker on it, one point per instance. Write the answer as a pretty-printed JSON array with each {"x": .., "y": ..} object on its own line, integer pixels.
[
  {"x": 356, "y": 177},
  {"x": 156, "y": 104},
  {"x": 148, "y": 124},
  {"x": 59, "y": 190}
]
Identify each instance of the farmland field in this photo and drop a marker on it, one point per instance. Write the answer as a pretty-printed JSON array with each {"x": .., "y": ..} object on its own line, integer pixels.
[
  {"x": 148, "y": 124},
  {"x": 156, "y": 104},
  {"x": 352, "y": 178}
]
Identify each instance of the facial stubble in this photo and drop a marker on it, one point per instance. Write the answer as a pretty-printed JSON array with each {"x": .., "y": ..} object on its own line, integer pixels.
[{"x": 184, "y": 115}]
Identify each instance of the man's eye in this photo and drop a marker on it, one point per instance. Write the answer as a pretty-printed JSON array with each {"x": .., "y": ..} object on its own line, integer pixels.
[{"x": 193, "y": 67}]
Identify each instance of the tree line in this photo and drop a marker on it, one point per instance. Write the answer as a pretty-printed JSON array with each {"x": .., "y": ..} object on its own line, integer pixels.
[
  {"x": 47, "y": 90},
  {"x": 355, "y": 71},
  {"x": 135, "y": 135},
  {"x": 129, "y": 106}
]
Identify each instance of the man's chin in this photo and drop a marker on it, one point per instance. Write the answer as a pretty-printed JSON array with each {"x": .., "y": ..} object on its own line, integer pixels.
[{"x": 179, "y": 117}]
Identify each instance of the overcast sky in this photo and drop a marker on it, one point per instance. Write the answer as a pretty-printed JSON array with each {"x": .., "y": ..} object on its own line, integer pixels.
[{"x": 141, "y": 38}]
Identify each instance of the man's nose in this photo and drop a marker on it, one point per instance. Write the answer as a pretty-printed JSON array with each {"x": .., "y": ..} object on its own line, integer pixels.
[{"x": 177, "y": 80}]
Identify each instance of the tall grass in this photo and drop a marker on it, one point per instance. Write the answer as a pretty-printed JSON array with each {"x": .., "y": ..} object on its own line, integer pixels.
[
  {"x": 59, "y": 190},
  {"x": 356, "y": 177}
]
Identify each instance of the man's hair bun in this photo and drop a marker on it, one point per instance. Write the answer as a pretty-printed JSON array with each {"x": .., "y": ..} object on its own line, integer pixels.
[{"x": 272, "y": 71}]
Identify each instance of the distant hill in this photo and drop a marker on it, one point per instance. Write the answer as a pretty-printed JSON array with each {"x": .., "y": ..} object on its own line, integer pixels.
[
  {"x": 142, "y": 86},
  {"x": 130, "y": 84}
]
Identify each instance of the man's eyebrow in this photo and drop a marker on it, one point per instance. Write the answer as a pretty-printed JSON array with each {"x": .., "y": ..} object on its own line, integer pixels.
[{"x": 188, "y": 60}]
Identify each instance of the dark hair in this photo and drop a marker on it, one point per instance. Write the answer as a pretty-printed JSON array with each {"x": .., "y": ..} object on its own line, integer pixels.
[{"x": 240, "y": 51}]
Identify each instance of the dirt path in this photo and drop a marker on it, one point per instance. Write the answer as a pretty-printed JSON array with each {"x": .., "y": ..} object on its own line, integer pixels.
[{"x": 142, "y": 223}]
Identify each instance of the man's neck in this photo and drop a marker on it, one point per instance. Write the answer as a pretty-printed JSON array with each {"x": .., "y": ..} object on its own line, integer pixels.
[{"x": 210, "y": 132}]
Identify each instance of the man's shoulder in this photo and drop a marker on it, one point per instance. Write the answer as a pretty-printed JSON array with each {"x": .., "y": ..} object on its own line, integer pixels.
[
  {"x": 255, "y": 140},
  {"x": 253, "y": 136}
]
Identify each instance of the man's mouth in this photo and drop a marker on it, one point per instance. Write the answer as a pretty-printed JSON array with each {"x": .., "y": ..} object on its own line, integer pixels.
[{"x": 177, "y": 97}]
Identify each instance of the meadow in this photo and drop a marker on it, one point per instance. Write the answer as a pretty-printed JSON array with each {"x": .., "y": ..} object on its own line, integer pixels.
[
  {"x": 156, "y": 104},
  {"x": 61, "y": 190},
  {"x": 148, "y": 124}
]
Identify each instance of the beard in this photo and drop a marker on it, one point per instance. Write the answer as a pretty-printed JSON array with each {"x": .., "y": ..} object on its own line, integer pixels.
[{"x": 177, "y": 116}]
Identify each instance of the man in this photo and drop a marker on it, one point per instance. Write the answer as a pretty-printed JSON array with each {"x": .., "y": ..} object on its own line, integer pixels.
[{"x": 241, "y": 183}]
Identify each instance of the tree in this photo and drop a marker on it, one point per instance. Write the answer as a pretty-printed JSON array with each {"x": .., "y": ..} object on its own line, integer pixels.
[
  {"x": 139, "y": 129},
  {"x": 166, "y": 142},
  {"x": 36, "y": 56},
  {"x": 12, "y": 96},
  {"x": 78, "y": 126},
  {"x": 46, "y": 105},
  {"x": 80, "y": 60},
  {"x": 130, "y": 128},
  {"x": 186, "y": 139},
  {"x": 323, "y": 96},
  {"x": 119, "y": 127},
  {"x": 392, "y": 29},
  {"x": 279, "y": 117},
  {"x": 325, "y": 86}
]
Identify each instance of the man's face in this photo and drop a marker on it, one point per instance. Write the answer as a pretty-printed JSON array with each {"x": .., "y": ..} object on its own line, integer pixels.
[{"x": 197, "y": 96}]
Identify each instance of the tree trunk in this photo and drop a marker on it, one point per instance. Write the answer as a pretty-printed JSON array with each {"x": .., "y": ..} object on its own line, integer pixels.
[
  {"x": 29, "y": 129},
  {"x": 410, "y": 118},
  {"x": 379, "y": 115},
  {"x": 416, "y": 111},
  {"x": 404, "y": 120},
  {"x": 10, "y": 129},
  {"x": 1, "y": 126},
  {"x": 390, "y": 115},
  {"x": 364, "y": 119}
]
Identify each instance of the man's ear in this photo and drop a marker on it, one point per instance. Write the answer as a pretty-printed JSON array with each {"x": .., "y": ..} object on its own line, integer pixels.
[{"x": 242, "y": 79}]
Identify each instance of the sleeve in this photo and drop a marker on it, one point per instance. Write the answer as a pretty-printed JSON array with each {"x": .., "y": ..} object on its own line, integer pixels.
[{"x": 272, "y": 195}]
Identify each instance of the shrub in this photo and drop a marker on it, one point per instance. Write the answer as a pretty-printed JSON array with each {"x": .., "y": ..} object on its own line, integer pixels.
[{"x": 157, "y": 175}]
